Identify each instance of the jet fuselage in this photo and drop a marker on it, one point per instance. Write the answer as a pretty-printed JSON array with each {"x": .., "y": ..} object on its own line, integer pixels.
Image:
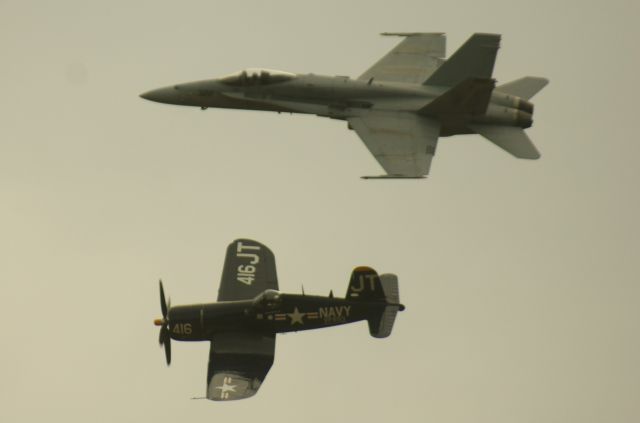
[{"x": 337, "y": 97}]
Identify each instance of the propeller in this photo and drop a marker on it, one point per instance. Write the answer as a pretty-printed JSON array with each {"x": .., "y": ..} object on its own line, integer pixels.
[{"x": 165, "y": 336}]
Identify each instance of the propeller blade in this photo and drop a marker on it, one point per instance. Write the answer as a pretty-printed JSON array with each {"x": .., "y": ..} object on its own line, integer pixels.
[
  {"x": 163, "y": 335},
  {"x": 167, "y": 350},
  {"x": 163, "y": 303}
]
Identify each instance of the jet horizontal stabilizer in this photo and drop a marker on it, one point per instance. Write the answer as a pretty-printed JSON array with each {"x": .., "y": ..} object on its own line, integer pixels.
[{"x": 511, "y": 139}]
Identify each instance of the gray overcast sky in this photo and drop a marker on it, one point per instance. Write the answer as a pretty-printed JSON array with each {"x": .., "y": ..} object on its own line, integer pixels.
[{"x": 520, "y": 278}]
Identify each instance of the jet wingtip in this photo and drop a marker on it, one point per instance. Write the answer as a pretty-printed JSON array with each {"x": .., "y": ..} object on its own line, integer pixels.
[
  {"x": 408, "y": 34},
  {"x": 394, "y": 177}
]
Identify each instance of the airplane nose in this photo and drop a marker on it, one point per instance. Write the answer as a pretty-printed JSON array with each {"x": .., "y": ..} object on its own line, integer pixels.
[{"x": 161, "y": 95}]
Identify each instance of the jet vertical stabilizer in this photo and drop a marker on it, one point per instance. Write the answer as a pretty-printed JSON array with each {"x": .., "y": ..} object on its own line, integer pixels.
[
  {"x": 475, "y": 59},
  {"x": 470, "y": 97}
]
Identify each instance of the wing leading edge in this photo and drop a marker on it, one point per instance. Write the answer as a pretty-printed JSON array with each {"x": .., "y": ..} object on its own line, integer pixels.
[
  {"x": 412, "y": 61},
  {"x": 403, "y": 143}
]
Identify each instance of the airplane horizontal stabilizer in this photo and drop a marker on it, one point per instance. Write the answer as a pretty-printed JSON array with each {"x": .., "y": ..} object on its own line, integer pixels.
[
  {"x": 524, "y": 88},
  {"x": 475, "y": 59},
  {"x": 382, "y": 325},
  {"x": 511, "y": 139},
  {"x": 471, "y": 96}
]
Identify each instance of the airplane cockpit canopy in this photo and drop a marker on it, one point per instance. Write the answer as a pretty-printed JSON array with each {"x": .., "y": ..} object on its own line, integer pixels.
[
  {"x": 256, "y": 76},
  {"x": 270, "y": 299}
]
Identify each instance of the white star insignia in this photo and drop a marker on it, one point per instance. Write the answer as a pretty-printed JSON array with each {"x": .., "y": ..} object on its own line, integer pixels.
[
  {"x": 225, "y": 388},
  {"x": 296, "y": 316}
]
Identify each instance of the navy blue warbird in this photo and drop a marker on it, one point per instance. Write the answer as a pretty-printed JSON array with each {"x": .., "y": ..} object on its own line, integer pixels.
[{"x": 242, "y": 325}]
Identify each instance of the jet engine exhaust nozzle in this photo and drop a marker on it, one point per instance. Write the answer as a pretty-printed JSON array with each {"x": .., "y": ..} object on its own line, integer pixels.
[{"x": 525, "y": 106}]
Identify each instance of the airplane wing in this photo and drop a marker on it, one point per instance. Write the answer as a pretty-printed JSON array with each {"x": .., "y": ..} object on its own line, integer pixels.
[
  {"x": 249, "y": 269},
  {"x": 238, "y": 364},
  {"x": 411, "y": 61},
  {"x": 403, "y": 143}
]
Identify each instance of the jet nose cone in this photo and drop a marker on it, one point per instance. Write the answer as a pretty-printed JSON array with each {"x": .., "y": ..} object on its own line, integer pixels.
[{"x": 162, "y": 95}]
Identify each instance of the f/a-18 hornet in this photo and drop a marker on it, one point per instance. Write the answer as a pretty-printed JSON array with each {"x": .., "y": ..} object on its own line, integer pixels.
[
  {"x": 399, "y": 106},
  {"x": 250, "y": 311}
]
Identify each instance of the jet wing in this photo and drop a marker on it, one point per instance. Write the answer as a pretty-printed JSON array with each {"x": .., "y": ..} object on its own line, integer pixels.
[
  {"x": 412, "y": 61},
  {"x": 403, "y": 143},
  {"x": 249, "y": 269},
  {"x": 238, "y": 364}
]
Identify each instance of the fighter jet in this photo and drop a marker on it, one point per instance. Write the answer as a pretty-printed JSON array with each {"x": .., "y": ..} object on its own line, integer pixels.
[
  {"x": 399, "y": 107},
  {"x": 250, "y": 311}
]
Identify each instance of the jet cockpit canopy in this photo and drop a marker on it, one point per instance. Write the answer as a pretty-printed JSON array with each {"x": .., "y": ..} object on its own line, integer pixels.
[
  {"x": 270, "y": 299},
  {"x": 257, "y": 76}
]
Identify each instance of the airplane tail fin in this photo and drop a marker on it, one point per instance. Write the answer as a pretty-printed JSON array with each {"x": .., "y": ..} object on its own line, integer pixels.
[
  {"x": 510, "y": 138},
  {"x": 524, "y": 88},
  {"x": 471, "y": 96},
  {"x": 366, "y": 285},
  {"x": 475, "y": 59}
]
